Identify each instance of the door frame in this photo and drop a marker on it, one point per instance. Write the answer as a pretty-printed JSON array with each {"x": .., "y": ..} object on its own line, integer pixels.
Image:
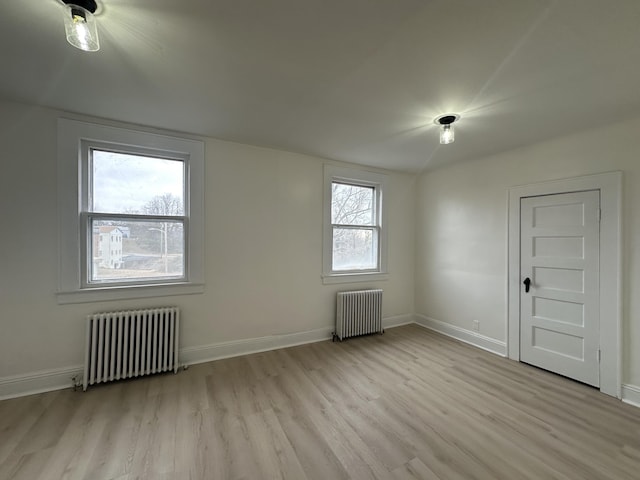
[{"x": 610, "y": 264}]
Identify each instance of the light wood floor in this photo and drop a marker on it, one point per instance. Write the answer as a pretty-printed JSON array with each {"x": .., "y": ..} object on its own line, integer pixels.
[{"x": 403, "y": 405}]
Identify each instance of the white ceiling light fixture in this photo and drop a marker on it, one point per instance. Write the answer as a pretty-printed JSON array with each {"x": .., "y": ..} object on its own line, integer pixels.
[
  {"x": 80, "y": 24},
  {"x": 447, "y": 134}
]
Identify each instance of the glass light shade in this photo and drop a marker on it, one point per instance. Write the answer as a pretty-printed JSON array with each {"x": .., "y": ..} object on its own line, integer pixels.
[
  {"x": 447, "y": 134},
  {"x": 80, "y": 27}
]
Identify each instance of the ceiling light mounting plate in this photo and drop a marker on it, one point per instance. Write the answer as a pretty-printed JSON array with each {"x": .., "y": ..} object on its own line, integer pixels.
[
  {"x": 88, "y": 5},
  {"x": 447, "y": 119}
]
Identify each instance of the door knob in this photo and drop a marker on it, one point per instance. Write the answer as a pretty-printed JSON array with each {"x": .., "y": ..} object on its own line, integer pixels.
[{"x": 527, "y": 284}]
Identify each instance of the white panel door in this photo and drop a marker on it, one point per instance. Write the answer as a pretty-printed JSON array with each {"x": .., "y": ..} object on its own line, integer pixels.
[{"x": 559, "y": 295}]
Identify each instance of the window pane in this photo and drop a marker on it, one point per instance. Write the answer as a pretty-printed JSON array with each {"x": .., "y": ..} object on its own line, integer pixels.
[
  {"x": 351, "y": 204},
  {"x": 123, "y": 183},
  {"x": 354, "y": 249},
  {"x": 123, "y": 251}
]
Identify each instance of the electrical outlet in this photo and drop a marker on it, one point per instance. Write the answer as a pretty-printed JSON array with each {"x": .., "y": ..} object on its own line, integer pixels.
[{"x": 476, "y": 325}]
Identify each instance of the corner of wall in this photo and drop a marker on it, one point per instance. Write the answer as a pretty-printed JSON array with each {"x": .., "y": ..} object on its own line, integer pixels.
[
  {"x": 467, "y": 336},
  {"x": 631, "y": 395}
]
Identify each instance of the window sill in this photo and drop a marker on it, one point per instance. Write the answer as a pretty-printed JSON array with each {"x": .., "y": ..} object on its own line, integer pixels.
[
  {"x": 104, "y": 294},
  {"x": 354, "y": 278}
]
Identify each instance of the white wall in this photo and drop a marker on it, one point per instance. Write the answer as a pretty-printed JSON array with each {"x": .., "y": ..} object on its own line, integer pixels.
[
  {"x": 264, "y": 234},
  {"x": 461, "y": 242},
  {"x": 263, "y": 250}
]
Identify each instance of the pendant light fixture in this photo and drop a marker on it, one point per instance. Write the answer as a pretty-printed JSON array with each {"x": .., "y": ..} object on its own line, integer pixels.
[
  {"x": 447, "y": 134},
  {"x": 80, "y": 24}
]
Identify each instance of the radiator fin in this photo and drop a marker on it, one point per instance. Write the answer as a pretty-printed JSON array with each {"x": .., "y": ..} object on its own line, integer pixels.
[
  {"x": 131, "y": 343},
  {"x": 358, "y": 313}
]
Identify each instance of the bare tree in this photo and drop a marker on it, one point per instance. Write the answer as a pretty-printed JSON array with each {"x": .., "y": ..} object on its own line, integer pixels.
[
  {"x": 165, "y": 204},
  {"x": 351, "y": 204}
]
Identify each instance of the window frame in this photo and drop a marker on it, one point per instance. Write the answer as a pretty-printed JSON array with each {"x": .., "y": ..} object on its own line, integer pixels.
[
  {"x": 360, "y": 178},
  {"x": 75, "y": 140}
]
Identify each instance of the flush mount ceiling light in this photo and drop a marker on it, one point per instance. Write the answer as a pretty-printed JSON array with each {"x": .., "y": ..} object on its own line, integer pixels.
[
  {"x": 80, "y": 24},
  {"x": 447, "y": 134}
]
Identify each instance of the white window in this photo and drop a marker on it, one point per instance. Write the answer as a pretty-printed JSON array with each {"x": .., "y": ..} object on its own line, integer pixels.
[
  {"x": 140, "y": 193},
  {"x": 145, "y": 195},
  {"x": 354, "y": 243}
]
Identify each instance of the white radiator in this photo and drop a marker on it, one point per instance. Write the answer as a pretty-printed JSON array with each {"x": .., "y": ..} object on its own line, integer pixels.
[
  {"x": 358, "y": 313},
  {"x": 130, "y": 343}
]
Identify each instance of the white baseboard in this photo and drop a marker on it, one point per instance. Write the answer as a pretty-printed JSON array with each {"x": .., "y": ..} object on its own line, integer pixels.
[
  {"x": 631, "y": 395},
  {"x": 217, "y": 351},
  {"x": 48, "y": 380},
  {"x": 466, "y": 336},
  {"x": 58, "y": 379},
  {"x": 398, "y": 321},
  {"x": 38, "y": 382}
]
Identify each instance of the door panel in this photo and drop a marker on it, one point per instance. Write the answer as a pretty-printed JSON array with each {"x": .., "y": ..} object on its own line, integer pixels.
[
  {"x": 563, "y": 279},
  {"x": 558, "y": 343},
  {"x": 558, "y": 311},
  {"x": 568, "y": 247},
  {"x": 559, "y": 316}
]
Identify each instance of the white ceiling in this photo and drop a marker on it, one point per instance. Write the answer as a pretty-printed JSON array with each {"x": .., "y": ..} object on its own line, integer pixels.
[{"x": 353, "y": 80}]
